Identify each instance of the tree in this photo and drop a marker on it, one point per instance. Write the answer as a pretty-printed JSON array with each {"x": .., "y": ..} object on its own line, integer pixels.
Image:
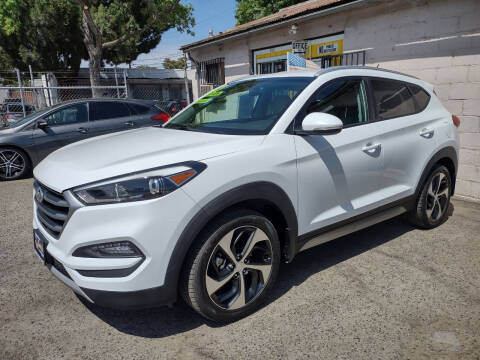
[
  {"x": 119, "y": 30},
  {"x": 249, "y": 10},
  {"x": 174, "y": 64},
  {"x": 41, "y": 33},
  {"x": 57, "y": 34},
  {"x": 146, "y": 67}
]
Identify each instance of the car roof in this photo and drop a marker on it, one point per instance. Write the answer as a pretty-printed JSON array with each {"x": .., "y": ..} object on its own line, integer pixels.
[
  {"x": 78, "y": 101},
  {"x": 135, "y": 101},
  {"x": 348, "y": 70}
]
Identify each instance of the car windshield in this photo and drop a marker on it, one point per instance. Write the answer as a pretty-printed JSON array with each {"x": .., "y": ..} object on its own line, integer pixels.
[
  {"x": 27, "y": 118},
  {"x": 250, "y": 107}
]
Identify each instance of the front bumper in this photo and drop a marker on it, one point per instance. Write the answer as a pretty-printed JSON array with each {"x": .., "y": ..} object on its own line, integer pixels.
[{"x": 153, "y": 226}]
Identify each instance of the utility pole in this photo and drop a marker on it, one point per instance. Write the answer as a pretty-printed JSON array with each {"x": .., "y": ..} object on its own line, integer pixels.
[
  {"x": 21, "y": 92},
  {"x": 33, "y": 84},
  {"x": 125, "y": 82},
  {"x": 187, "y": 88},
  {"x": 116, "y": 81}
]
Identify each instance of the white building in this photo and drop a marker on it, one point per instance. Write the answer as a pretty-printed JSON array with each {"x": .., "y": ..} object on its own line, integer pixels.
[{"x": 435, "y": 40}]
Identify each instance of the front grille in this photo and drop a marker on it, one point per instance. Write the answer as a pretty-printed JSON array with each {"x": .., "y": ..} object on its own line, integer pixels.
[{"x": 52, "y": 209}]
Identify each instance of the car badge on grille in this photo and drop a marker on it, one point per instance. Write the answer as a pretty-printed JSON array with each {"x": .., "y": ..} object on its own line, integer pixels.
[{"x": 39, "y": 195}]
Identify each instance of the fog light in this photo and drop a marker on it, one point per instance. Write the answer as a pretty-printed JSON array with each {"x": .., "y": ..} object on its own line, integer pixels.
[{"x": 111, "y": 249}]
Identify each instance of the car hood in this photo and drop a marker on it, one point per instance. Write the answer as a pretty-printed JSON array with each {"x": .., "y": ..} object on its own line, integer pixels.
[
  {"x": 121, "y": 153},
  {"x": 7, "y": 130}
]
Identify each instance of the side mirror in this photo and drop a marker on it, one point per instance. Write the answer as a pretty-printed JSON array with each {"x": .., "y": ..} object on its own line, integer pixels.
[
  {"x": 42, "y": 124},
  {"x": 318, "y": 123}
]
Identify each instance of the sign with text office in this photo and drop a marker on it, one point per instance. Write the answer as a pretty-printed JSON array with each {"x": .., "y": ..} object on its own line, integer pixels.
[
  {"x": 274, "y": 59},
  {"x": 299, "y": 47}
]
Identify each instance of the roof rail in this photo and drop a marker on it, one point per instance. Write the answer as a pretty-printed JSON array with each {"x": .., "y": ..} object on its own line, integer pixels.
[{"x": 348, "y": 67}]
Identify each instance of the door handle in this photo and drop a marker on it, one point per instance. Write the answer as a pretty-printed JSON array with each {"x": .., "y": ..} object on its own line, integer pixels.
[
  {"x": 130, "y": 123},
  {"x": 369, "y": 148},
  {"x": 82, "y": 130},
  {"x": 427, "y": 133}
]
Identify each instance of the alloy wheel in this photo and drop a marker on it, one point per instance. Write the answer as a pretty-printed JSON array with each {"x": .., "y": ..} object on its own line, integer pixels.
[
  {"x": 239, "y": 267},
  {"x": 12, "y": 163},
  {"x": 437, "y": 197}
]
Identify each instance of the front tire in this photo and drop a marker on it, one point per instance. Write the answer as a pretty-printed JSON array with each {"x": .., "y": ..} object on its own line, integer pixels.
[
  {"x": 14, "y": 164},
  {"x": 232, "y": 267},
  {"x": 434, "y": 199}
]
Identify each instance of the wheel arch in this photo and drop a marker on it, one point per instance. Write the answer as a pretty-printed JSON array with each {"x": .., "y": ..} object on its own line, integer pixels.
[
  {"x": 264, "y": 197},
  {"x": 447, "y": 157}
]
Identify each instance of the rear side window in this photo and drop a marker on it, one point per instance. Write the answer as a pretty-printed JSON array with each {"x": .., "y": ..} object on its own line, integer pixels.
[
  {"x": 392, "y": 99},
  {"x": 422, "y": 98},
  {"x": 139, "y": 109},
  {"x": 109, "y": 109}
]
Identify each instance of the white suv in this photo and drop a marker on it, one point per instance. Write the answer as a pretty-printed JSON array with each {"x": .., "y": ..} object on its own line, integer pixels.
[{"x": 209, "y": 204}]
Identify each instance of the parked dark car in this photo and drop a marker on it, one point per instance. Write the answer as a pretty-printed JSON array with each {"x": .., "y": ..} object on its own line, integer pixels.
[
  {"x": 14, "y": 111},
  {"x": 171, "y": 107},
  {"x": 25, "y": 143}
]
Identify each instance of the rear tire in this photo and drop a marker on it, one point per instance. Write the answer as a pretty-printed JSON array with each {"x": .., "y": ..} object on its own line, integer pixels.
[
  {"x": 431, "y": 209},
  {"x": 14, "y": 164},
  {"x": 232, "y": 267}
]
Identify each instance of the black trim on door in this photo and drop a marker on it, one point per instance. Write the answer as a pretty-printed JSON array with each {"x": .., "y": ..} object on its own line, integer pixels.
[
  {"x": 407, "y": 202},
  {"x": 372, "y": 108}
]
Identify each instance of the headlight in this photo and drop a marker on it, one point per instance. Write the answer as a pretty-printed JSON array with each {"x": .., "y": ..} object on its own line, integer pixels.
[{"x": 145, "y": 185}]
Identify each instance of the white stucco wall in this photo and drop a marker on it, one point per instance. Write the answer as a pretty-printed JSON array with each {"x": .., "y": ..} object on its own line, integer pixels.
[{"x": 436, "y": 40}]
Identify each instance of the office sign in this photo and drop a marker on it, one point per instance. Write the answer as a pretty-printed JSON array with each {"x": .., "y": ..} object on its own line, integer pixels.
[
  {"x": 274, "y": 59},
  {"x": 299, "y": 47}
]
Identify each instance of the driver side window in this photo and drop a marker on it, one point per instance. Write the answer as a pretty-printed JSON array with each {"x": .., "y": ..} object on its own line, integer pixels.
[
  {"x": 344, "y": 98},
  {"x": 69, "y": 115}
]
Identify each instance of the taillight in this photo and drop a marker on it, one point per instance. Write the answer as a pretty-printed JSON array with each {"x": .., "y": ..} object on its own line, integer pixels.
[
  {"x": 456, "y": 120},
  {"x": 7, "y": 116},
  {"x": 162, "y": 117}
]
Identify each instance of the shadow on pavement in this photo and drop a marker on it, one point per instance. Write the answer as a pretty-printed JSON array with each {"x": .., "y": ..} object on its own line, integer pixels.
[{"x": 164, "y": 321}]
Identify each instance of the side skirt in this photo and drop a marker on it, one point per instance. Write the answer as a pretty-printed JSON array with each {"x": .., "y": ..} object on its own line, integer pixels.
[{"x": 352, "y": 227}]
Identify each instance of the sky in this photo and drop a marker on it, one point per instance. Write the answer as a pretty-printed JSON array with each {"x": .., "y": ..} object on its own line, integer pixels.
[{"x": 216, "y": 15}]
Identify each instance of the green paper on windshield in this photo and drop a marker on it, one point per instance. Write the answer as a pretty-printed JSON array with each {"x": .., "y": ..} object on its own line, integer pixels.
[{"x": 211, "y": 95}]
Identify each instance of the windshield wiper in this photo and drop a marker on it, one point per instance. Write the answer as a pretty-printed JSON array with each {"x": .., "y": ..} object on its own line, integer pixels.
[
  {"x": 176, "y": 126},
  {"x": 180, "y": 127}
]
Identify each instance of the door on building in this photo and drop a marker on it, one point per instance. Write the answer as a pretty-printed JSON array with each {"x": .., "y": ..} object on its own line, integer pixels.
[
  {"x": 64, "y": 126},
  {"x": 344, "y": 168}
]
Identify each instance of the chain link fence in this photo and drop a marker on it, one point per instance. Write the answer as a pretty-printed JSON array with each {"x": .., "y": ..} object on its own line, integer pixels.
[{"x": 23, "y": 92}]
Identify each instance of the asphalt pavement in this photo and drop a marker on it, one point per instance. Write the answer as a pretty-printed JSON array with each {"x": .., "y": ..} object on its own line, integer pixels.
[{"x": 387, "y": 292}]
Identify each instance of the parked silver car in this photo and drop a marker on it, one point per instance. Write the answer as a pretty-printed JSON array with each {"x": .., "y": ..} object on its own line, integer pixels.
[{"x": 26, "y": 142}]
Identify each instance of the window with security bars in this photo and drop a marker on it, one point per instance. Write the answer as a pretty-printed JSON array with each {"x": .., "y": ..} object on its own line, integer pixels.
[{"x": 212, "y": 72}]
